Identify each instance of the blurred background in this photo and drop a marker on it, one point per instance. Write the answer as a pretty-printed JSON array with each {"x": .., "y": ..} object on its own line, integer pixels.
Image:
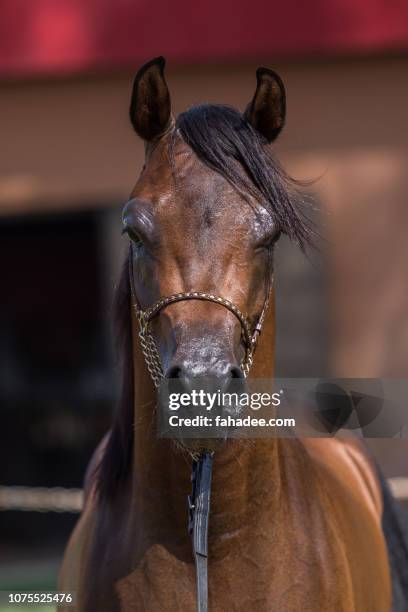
[{"x": 68, "y": 159}]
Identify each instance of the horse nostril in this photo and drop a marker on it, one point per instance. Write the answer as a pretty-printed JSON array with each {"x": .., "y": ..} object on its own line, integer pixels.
[
  {"x": 224, "y": 372},
  {"x": 236, "y": 372},
  {"x": 175, "y": 371}
]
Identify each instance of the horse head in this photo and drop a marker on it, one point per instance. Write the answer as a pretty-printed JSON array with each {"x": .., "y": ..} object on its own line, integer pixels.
[{"x": 203, "y": 219}]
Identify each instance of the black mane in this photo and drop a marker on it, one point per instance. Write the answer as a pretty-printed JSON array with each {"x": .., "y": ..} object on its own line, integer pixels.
[
  {"x": 222, "y": 138},
  {"x": 117, "y": 458}
]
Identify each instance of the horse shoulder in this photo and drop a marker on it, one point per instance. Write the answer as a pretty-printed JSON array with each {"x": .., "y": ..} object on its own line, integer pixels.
[
  {"x": 349, "y": 482},
  {"x": 347, "y": 466}
]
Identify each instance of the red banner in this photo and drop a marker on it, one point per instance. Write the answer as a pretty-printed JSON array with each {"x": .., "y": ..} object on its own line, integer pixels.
[{"x": 43, "y": 36}]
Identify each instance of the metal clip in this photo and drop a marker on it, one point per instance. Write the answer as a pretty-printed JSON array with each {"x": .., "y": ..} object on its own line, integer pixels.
[{"x": 143, "y": 323}]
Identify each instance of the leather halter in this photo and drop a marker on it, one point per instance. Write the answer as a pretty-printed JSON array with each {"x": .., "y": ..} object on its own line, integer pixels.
[
  {"x": 145, "y": 316},
  {"x": 199, "y": 499}
]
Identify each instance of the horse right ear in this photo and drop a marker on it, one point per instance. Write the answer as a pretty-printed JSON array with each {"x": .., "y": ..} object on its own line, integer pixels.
[
  {"x": 267, "y": 110},
  {"x": 150, "y": 107}
]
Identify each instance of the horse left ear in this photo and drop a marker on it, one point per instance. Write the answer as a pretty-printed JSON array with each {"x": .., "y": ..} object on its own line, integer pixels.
[
  {"x": 266, "y": 113},
  {"x": 150, "y": 107}
]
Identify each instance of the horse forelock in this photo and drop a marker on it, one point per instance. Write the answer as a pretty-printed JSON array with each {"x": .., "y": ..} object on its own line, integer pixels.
[{"x": 222, "y": 138}]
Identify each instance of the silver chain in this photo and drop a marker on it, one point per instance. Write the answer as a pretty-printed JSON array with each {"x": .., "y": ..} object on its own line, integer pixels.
[
  {"x": 149, "y": 349},
  {"x": 148, "y": 345}
]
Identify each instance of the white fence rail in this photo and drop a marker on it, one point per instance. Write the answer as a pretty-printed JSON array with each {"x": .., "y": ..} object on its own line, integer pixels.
[
  {"x": 41, "y": 499},
  {"x": 399, "y": 487},
  {"x": 59, "y": 499}
]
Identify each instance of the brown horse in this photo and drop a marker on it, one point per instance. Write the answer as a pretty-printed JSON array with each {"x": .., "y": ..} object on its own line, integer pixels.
[{"x": 294, "y": 524}]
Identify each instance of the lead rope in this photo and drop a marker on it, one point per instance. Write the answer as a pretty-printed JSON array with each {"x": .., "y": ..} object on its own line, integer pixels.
[{"x": 198, "y": 519}]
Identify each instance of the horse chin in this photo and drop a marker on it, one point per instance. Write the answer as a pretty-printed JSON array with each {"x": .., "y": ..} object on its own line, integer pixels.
[{"x": 196, "y": 446}]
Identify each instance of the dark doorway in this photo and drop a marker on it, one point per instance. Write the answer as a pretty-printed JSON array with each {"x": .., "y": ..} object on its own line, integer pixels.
[{"x": 56, "y": 382}]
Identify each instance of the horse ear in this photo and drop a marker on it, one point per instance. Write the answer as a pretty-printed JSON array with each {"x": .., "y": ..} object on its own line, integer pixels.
[
  {"x": 150, "y": 107},
  {"x": 267, "y": 110}
]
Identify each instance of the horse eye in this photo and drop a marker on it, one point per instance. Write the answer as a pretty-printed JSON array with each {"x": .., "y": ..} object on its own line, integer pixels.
[
  {"x": 269, "y": 242},
  {"x": 134, "y": 236},
  {"x": 274, "y": 239}
]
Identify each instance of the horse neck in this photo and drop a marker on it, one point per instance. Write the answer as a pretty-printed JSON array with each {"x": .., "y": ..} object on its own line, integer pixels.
[{"x": 242, "y": 473}]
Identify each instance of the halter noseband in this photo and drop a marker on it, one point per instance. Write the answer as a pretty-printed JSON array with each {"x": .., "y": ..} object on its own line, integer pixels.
[
  {"x": 145, "y": 316},
  {"x": 199, "y": 500}
]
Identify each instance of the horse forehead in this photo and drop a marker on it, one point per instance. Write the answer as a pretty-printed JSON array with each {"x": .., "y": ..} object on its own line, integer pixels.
[
  {"x": 179, "y": 182},
  {"x": 203, "y": 201}
]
